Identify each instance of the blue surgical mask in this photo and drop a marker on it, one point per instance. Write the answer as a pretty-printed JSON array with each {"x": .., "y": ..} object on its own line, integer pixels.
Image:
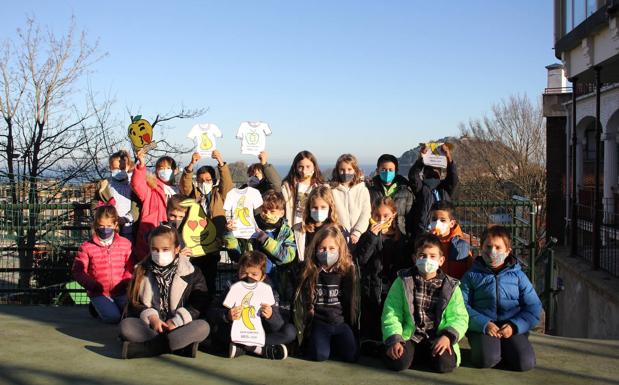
[
  {"x": 432, "y": 183},
  {"x": 326, "y": 258},
  {"x": 387, "y": 176},
  {"x": 104, "y": 233},
  {"x": 118, "y": 174},
  {"x": 346, "y": 177},
  {"x": 165, "y": 174},
  {"x": 253, "y": 181}
]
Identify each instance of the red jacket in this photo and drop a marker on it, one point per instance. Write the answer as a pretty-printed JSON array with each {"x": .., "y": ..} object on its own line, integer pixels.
[
  {"x": 104, "y": 270},
  {"x": 153, "y": 212}
]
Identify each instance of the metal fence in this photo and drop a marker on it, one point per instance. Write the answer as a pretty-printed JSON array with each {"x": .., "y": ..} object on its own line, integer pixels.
[
  {"x": 42, "y": 224},
  {"x": 519, "y": 215},
  {"x": 608, "y": 258}
]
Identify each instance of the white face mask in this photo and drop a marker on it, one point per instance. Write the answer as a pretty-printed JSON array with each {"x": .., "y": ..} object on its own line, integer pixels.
[
  {"x": 494, "y": 258},
  {"x": 426, "y": 265},
  {"x": 165, "y": 174},
  {"x": 319, "y": 215},
  {"x": 206, "y": 187},
  {"x": 163, "y": 258},
  {"x": 439, "y": 228}
]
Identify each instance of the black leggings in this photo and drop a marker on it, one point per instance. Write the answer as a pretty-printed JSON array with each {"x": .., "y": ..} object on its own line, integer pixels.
[
  {"x": 422, "y": 352},
  {"x": 208, "y": 265},
  {"x": 515, "y": 352}
]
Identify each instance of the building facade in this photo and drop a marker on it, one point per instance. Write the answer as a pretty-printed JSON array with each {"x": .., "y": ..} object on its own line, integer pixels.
[{"x": 581, "y": 105}]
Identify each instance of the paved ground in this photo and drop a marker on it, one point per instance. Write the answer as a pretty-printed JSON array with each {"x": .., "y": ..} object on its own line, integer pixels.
[{"x": 63, "y": 345}]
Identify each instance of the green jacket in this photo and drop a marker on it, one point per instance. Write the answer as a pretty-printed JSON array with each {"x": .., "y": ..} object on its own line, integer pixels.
[
  {"x": 279, "y": 250},
  {"x": 398, "y": 323}
]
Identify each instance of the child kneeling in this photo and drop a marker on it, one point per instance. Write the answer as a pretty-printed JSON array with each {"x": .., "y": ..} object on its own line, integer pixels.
[
  {"x": 326, "y": 307},
  {"x": 502, "y": 305},
  {"x": 256, "y": 320},
  {"x": 167, "y": 297},
  {"x": 424, "y": 315}
]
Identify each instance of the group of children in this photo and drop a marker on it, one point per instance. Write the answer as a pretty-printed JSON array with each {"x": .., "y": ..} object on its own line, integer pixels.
[{"x": 355, "y": 266}]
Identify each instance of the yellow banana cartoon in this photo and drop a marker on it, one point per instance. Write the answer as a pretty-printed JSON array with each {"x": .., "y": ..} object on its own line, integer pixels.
[
  {"x": 248, "y": 311},
  {"x": 242, "y": 212}
]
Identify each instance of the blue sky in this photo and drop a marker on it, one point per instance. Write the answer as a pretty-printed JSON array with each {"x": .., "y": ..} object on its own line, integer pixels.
[{"x": 365, "y": 77}]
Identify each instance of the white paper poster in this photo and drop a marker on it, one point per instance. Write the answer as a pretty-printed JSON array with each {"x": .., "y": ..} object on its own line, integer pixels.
[
  {"x": 239, "y": 206},
  {"x": 248, "y": 330},
  {"x": 204, "y": 137},
  {"x": 253, "y": 137}
]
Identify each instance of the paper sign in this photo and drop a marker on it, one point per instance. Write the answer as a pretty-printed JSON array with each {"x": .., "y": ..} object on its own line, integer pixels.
[
  {"x": 435, "y": 157},
  {"x": 204, "y": 136},
  {"x": 140, "y": 132},
  {"x": 240, "y": 204},
  {"x": 253, "y": 137},
  {"x": 198, "y": 231},
  {"x": 432, "y": 160},
  {"x": 249, "y": 296}
]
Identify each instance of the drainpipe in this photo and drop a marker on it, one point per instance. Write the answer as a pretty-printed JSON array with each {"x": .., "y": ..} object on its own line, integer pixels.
[
  {"x": 574, "y": 213},
  {"x": 597, "y": 204}
]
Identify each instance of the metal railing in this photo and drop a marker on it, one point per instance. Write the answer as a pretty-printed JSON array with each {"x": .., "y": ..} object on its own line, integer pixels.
[
  {"x": 608, "y": 258},
  {"x": 43, "y": 223}
]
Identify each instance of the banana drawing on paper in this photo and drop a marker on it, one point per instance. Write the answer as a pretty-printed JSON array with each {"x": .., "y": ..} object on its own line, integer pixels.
[
  {"x": 248, "y": 311},
  {"x": 242, "y": 213}
]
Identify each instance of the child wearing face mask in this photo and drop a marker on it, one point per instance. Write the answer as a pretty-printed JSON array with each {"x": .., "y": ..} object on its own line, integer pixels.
[
  {"x": 319, "y": 211},
  {"x": 303, "y": 177},
  {"x": 502, "y": 305},
  {"x": 424, "y": 315},
  {"x": 379, "y": 255},
  {"x": 211, "y": 194},
  {"x": 167, "y": 298},
  {"x": 263, "y": 176},
  {"x": 103, "y": 266},
  {"x": 351, "y": 196},
  {"x": 388, "y": 183},
  {"x": 275, "y": 239},
  {"x": 116, "y": 191},
  {"x": 153, "y": 193},
  {"x": 455, "y": 247},
  {"x": 326, "y": 310},
  {"x": 429, "y": 188},
  {"x": 278, "y": 332}
]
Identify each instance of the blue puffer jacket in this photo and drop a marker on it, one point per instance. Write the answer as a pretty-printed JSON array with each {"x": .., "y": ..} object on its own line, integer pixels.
[{"x": 503, "y": 296}]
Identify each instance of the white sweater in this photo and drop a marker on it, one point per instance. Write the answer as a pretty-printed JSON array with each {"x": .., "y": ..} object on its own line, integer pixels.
[{"x": 353, "y": 207}]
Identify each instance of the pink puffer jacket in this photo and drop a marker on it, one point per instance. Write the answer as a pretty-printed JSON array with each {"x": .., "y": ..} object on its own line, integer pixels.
[{"x": 104, "y": 270}]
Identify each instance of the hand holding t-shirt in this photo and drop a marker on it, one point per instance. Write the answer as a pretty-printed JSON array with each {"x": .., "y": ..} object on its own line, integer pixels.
[{"x": 253, "y": 137}]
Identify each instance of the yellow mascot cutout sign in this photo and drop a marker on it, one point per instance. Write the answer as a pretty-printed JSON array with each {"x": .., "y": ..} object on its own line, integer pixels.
[{"x": 198, "y": 231}]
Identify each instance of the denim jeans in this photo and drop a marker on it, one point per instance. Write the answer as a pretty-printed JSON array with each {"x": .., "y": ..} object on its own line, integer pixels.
[{"x": 110, "y": 309}]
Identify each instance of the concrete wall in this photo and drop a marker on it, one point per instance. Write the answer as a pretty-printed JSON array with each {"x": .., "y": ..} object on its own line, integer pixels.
[{"x": 589, "y": 305}]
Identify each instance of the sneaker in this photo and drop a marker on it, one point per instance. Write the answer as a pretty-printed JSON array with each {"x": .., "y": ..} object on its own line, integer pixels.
[
  {"x": 275, "y": 352},
  {"x": 235, "y": 350},
  {"x": 190, "y": 350}
]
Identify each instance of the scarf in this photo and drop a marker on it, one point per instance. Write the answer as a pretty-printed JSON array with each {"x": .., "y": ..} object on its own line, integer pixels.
[{"x": 163, "y": 276}]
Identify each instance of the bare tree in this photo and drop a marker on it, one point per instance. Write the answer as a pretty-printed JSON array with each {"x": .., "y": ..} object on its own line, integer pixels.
[{"x": 505, "y": 153}]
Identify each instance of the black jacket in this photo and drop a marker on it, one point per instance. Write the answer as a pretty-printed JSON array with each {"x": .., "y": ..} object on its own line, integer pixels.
[
  {"x": 188, "y": 294},
  {"x": 378, "y": 256},
  {"x": 424, "y": 198},
  {"x": 403, "y": 198}
]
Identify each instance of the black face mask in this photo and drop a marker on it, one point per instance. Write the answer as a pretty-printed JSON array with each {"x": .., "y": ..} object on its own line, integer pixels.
[{"x": 248, "y": 279}]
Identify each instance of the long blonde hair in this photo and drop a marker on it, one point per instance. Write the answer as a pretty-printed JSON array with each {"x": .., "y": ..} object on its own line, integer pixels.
[
  {"x": 344, "y": 265},
  {"x": 323, "y": 192},
  {"x": 133, "y": 292}
]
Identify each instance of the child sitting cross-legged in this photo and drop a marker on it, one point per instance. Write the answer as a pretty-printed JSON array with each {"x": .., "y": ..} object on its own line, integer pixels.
[
  {"x": 424, "y": 315},
  {"x": 257, "y": 316}
]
